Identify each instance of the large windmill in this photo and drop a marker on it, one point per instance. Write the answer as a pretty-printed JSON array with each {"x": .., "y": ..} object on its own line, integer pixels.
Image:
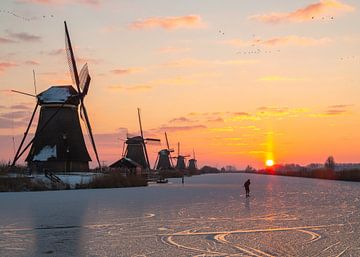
[
  {"x": 135, "y": 150},
  {"x": 193, "y": 162},
  {"x": 58, "y": 143},
  {"x": 180, "y": 162},
  {"x": 164, "y": 160}
]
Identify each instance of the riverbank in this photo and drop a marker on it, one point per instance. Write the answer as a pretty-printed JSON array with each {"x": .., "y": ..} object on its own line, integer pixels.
[{"x": 20, "y": 182}]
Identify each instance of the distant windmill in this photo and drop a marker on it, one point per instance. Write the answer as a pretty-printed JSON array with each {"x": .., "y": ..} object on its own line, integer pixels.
[
  {"x": 58, "y": 143},
  {"x": 135, "y": 150},
  {"x": 164, "y": 161},
  {"x": 180, "y": 163},
  {"x": 193, "y": 162}
]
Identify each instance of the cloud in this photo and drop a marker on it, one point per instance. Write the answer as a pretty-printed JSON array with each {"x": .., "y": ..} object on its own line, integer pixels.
[
  {"x": 218, "y": 119},
  {"x": 335, "y": 110},
  {"x": 24, "y": 37},
  {"x": 59, "y": 51},
  {"x": 61, "y": 2},
  {"x": 171, "y": 49},
  {"x": 324, "y": 7},
  {"x": 168, "y": 23},
  {"x": 15, "y": 115},
  {"x": 279, "y": 41},
  {"x": 177, "y": 128},
  {"x": 32, "y": 62},
  {"x": 190, "y": 62},
  {"x": 181, "y": 120},
  {"x": 6, "y": 40},
  {"x": 223, "y": 129},
  {"x": 278, "y": 79},
  {"x": 8, "y": 123},
  {"x": 20, "y": 107},
  {"x": 6, "y": 65},
  {"x": 131, "y": 88},
  {"x": 126, "y": 71}
]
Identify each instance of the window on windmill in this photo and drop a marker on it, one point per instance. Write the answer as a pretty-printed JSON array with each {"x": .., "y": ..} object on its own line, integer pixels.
[{"x": 46, "y": 153}]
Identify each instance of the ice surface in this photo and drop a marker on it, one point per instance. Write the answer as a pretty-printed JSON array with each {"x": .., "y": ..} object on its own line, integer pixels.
[
  {"x": 208, "y": 216},
  {"x": 55, "y": 95},
  {"x": 45, "y": 153}
]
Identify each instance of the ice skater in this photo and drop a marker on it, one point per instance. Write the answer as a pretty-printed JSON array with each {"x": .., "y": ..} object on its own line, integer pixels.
[{"x": 247, "y": 187}]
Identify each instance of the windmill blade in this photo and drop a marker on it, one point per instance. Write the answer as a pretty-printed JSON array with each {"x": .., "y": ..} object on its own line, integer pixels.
[
  {"x": 84, "y": 79},
  {"x": 16, "y": 157},
  {"x": 71, "y": 59},
  {"x": 141, "y": 130},
  {"x": 167, "y": 141},
  {"x": 88, "y": 125},
  {"x": 152, "y": 139},
  {"x": 34, "y": 78},
  {"x": 123, "y": 150},
  {"x": 23, "y": 93}
]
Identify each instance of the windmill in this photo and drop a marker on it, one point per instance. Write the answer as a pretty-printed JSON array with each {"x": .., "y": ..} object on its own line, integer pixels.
[
  {"x": 193, "y": 162},
  {"x": 164, "y": 161},
  {"x": 58, "y": 143},
  {"x": 135, "y": 149},
  {"x": 180, "y": 162}
]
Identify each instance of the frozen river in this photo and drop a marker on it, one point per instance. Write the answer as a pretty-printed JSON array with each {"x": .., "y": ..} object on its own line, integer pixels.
[{"x": 208, "y": 216}]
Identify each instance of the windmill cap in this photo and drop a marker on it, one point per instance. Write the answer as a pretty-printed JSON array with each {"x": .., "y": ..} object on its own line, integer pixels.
[{"x": 59, "y": 94}]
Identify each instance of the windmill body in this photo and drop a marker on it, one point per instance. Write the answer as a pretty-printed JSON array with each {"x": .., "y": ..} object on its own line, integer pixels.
[
  {"x": 163, "y": 162},
  {"x": 180, "y": 162},
  {"x": 192, "y": 164},
  {"x": 59, "y": 143},
  {"x": 135, "y": 151}
]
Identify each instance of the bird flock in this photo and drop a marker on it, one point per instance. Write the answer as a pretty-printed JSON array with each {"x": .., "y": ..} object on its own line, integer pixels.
[{"x": 15, "y": 15}]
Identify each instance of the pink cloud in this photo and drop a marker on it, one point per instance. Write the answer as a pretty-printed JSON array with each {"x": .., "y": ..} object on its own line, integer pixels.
[
  {"x": 32, "y": 62},
  {"x": 324, "y": 7},
  {"x": 276, "y": 41},
  {"x": 6, "y": 40},
  {"x": 61, "y": 2},
  {"x": 170, "y": 49},
  {"x": 125, "y": 71},
  {"x": 23, "y": 36},
  {"x": 174, "y": 22},
  {"x": 6, "y": 65}
]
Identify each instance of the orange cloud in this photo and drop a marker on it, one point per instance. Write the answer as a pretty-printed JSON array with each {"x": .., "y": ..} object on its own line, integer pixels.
[
  {"x": 188, "y": 21},
  {"x": 126, "y": 71},
  {"x": 131, "y": 88},
  {"x": 324, "y": 7},
  {"x": 278, "y": 79},
  {"x": 276, "y": 41}
]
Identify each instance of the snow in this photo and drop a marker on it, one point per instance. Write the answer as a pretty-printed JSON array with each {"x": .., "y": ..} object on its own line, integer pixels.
[
  {"x": 46, "y": 153},
  {"x": 207, "y": 216},
  {"x": 55, "y": 95}
]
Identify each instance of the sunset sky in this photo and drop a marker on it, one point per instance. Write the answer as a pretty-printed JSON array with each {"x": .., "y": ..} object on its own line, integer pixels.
[{"x": 238, "y": 81}]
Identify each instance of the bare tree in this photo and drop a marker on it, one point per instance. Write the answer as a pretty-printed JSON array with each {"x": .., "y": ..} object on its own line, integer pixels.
[{"x": 330, "y": 163}]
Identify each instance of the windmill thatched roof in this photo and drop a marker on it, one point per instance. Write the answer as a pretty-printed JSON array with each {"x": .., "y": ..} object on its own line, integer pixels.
[{"x": 59, "y": 95}]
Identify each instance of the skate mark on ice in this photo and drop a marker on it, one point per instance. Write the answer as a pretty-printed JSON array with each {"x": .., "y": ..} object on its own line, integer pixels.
[
  {"x": 330, "y": 246},
  {"x": 342, "y": 252},
  {"x": 314, "y": 236},
  {"x": 168, "y": 240},
  {"x": 243, "y": 248}
]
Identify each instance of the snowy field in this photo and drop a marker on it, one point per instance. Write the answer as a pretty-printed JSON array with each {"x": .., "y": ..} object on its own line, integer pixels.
[{"x": 208, "y": 216}]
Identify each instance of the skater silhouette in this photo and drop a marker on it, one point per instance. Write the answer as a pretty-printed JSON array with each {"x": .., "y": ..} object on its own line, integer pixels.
[{"x": 247, "y": 187}]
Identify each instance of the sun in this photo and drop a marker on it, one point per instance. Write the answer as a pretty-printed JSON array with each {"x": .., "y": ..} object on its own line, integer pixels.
[{"x": 269, "y": 163}]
